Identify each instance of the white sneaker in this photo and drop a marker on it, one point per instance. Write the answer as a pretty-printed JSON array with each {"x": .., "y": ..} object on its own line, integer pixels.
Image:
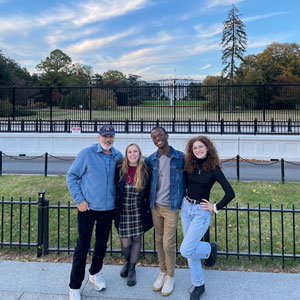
[
  {"x": 159, "y": 282},
  {"x": 74, "y": 294},
  {"x": 98, "y": 281},
  {"x": 168, "y": 286}
]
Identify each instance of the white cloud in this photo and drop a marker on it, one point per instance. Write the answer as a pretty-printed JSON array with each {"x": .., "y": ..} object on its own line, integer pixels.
[
  {"x": 258, "y": 17},
  {"x": 94, "y": 44},
  {"x": 93, "y": 11},
  {"x": 213, "y": 3},
  {"x": 61, "y": 35},
  {"x": 14, "y": 24},
  {"x": 202, "y": 48},
  {"x": 159, "y": 38},
  {"x": 205, "y": 67},
  {"x": 207, "y": 32}
]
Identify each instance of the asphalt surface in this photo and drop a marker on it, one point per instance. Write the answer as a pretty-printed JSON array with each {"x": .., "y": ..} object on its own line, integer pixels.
[
  {"x": 45, "y": 281},
  {"x": 249, "y": 170}
]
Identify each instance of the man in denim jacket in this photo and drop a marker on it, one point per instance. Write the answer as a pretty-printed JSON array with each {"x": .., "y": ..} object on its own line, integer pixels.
[
  {"x": 166, "y": 194},
  {"x": 90, "y": 180}
]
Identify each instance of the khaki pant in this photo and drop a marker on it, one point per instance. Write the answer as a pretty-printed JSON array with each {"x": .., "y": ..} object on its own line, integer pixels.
[{"x": 165, "y": 224}]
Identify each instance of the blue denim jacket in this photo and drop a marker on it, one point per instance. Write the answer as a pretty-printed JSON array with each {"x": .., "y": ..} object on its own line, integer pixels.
[
  {"x": 177, "y": 181},
  {"x": 91, "y": 177}
]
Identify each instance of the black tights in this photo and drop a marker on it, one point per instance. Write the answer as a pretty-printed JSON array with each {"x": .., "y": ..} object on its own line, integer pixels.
[{"x": 131, "y": 248}]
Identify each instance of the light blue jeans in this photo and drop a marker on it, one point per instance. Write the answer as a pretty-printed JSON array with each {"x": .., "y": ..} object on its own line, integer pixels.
[{"x": 195, "y": 222}]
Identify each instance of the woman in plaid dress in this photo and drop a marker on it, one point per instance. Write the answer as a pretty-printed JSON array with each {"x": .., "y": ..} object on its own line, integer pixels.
[{"x": 133, "y": 214}]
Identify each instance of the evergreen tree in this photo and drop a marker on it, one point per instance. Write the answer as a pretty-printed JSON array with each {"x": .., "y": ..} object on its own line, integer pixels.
[{"x": 234, "y": 42}]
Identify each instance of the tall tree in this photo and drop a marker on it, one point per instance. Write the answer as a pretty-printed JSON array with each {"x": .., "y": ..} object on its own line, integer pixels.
[
  {"x": 234, "y": 42},
  {"x": 112, "y": 77},
  {"x": 56, "y": 67}
]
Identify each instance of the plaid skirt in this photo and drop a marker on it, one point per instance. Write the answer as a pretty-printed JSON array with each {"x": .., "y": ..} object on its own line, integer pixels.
[{"x": 130, "y": 221}]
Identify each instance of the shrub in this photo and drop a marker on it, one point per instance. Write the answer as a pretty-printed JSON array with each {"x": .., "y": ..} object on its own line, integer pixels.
[
  {"x": 75, "y": 100},
  {"x": 103, "y": 99},
  {"x": 6, "y": 108}
]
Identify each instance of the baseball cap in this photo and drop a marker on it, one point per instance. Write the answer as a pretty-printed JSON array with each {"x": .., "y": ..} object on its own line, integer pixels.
[{"x": 107, "y": 129}]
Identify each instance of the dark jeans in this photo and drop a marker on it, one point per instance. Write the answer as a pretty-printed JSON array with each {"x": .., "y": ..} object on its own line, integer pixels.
[{"x": 86, "y": 221}]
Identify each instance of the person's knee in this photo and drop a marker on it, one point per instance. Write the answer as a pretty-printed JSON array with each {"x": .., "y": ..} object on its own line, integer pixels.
[{"x": 186, "y": 251}]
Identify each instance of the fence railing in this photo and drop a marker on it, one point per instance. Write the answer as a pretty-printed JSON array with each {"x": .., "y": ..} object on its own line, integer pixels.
[
  {"x": 239, "y": 231},
  {"x": 255, "y": 127},
  {"x": 237, "y": 159},
  {"x": 168, "y": 102}
]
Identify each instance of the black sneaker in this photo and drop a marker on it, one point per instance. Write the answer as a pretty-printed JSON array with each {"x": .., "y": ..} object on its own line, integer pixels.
[
  {"x": 213, "y": 255},
  {"x": 197, "y": 291}
]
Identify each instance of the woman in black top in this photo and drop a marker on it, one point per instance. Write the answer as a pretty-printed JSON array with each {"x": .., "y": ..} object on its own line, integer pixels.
[
  {"x": 203, "y": 169},
  {"x": 133, "y": 214}
]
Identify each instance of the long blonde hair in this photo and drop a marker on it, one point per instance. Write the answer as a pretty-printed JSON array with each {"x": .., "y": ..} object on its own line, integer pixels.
[{"x": 141, "y": 170}]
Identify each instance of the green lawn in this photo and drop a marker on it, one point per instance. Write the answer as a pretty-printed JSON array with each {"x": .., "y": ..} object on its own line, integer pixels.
[
  {"x": 164, "y": 112},
  {"x": 254, "y": 193}
]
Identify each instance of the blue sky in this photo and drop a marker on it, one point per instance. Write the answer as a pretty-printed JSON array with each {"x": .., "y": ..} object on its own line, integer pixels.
[{"x": 152, "y": 38}]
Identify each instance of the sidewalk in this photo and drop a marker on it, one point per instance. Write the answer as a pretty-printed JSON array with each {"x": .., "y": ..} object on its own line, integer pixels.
[{"x": 45, "y": 281}]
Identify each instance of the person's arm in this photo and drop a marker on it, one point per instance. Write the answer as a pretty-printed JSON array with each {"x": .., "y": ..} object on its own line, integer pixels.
[
  {"x": 73, "y": 177},
  {"x": 226, "y": 186}
]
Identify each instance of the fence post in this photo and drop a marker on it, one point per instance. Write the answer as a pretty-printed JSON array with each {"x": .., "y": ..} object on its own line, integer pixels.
[
  {"x": 41, "y": 200},
  {"x": 91, "y": 90},
  {"x": 264, "y": 101},
  {"x": 131, "y": 103},
  {"x": 13, "y": 103},
  {"x": 222, "y": 126},
  {"x": 239, "y": 125},
  {"x": 174, "y": 101},
  {"x": 289, "y": 125},
  {"x": 219, "y": 103},
  {"x": 282, "y": 171},
  {"x": 126, "y": 126},
  {"x": 255, "y": 125},
  {"x": 272, "y": 125},
  {"x": 0, "y": 163},
  {"x": 46, "y": 164},
  {"x": 238, "y": 167},
  {"x": 50, "y": 94},
  {"x": 46, "y": 227}
]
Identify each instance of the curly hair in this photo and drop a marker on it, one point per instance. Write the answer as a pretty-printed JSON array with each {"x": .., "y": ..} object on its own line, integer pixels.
[
  {"x": 141, "y": 170},
  {"x": 212, "y": 156}
]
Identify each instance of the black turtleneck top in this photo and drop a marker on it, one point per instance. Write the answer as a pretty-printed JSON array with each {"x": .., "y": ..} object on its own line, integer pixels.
[{"x": 200, "y": 182}]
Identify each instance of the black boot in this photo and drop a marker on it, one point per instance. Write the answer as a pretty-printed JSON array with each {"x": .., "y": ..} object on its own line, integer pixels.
[
  {"x": 131, "y": 280},
  {"x": 211, "y": 260},
  {"x": 197, "y": 292},
  {"x": 124, "y": 270}
]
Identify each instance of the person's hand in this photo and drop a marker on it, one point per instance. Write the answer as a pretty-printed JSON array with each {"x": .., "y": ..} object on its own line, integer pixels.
[
  {"x": 206, "y": 205},
  {"x": 83, "y": 206}
]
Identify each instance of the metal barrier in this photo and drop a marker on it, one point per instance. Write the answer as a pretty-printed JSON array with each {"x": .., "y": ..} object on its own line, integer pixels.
[
  {"x": 205, "y": 126},
  {"x": 239, "y": 231}
]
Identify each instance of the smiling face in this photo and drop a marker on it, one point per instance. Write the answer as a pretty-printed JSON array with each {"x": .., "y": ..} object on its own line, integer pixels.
[
  {"x": 199, "y": 150},
  {"x": 159, "y": 138},
  {"x": 133, "y": 155},
  {"x": 106, "y": 141}
]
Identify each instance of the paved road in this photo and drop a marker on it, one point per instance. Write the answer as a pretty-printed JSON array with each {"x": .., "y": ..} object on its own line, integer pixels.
[
  {"x": 45, "y": 281},
  {"x": 249, "y": 171}
]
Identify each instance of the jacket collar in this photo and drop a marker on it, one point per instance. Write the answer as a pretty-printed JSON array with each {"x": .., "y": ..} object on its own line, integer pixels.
[{"x": 172, "y": 153}]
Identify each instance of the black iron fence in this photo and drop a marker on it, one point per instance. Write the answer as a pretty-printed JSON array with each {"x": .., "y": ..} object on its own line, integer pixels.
[
  {"x": 255, "y": 127},
  {"x": 239, "y": 231},
  {"x": 151, "y": 102},
  {"x": 237, "y": 160}
]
